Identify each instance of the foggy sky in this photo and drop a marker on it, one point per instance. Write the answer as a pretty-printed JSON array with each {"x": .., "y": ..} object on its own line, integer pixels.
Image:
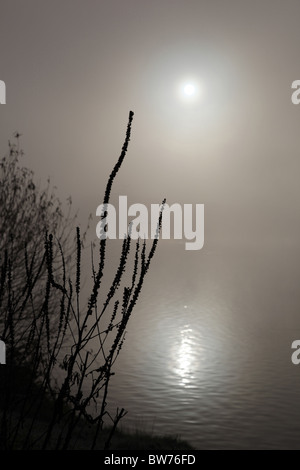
[{"x": 73, "y": 70}]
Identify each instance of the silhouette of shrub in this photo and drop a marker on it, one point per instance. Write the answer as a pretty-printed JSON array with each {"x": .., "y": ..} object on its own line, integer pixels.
[{"x": 59, "y": 363}]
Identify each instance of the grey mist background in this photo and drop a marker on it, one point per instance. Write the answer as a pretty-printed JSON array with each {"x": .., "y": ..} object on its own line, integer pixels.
[{"x": 208, "y": 353}]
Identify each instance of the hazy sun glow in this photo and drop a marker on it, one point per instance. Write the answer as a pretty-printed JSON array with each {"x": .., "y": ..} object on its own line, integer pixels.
[{"x": 188, "y": 91}]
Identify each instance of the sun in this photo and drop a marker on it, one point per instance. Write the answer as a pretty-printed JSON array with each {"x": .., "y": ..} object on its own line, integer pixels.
[{"x": 189, "y": 91}]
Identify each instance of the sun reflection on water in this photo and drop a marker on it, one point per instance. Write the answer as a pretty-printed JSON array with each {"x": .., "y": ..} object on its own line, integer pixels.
[{"x": 185, "y": 359}]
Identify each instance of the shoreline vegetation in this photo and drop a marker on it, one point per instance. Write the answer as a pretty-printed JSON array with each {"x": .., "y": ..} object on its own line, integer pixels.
[
  {"x": 119, "y": 438},
  {"x": 122, "y": 439},
  {"x": 46, "y": 326}
]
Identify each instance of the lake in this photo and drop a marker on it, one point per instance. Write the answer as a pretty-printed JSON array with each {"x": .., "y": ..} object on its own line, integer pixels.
[{"x": 208, "y": 351}]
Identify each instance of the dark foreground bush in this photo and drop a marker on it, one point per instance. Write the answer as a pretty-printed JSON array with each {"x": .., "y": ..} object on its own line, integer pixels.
[{"x": 60, "y": 355}]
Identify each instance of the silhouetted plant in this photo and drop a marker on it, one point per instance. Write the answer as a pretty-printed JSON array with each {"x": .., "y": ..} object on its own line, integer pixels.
[
  {"x": 26, "y": 212},
  {"x": 85, "y": 346}
]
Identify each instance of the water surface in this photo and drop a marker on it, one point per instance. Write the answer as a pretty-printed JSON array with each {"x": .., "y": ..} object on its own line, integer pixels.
[{"x": 208, "y": 349}]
